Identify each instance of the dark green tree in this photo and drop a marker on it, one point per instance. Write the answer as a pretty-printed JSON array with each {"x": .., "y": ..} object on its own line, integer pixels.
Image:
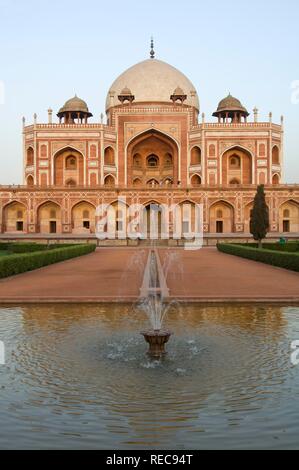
[{"x": 259, "y": 219}]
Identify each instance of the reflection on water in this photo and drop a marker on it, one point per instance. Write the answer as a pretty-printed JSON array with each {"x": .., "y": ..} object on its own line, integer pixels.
[{"x": 78, "y": 377}]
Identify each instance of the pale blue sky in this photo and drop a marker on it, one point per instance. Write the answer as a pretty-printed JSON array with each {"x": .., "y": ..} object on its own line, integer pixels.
[{"x": 52, "y": 49}]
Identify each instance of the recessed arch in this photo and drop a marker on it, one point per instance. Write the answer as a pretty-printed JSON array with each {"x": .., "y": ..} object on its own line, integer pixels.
[
  {"x": 137, "y": 183},
  {"x": 289, "y": 217},
  {"x": 245, "y": 172},
  {"x": 49, "y": 217},
  {"x": 276, "y": 179},
  {"x": 195, "y": 180},
  {"x": 109, "y": 181},
  {"x": 153, "y": 183},
  {"x": 83, "y": 217},
  {"x": 224, "y": 224},
  {"x": 71, "y": 183},
  {"x": 30, "y": 156},
  {"x": 275, "y": 155},
  {"x": 30, "y": 181},
  {"x": 14, "y": 217},
  {"x": 195, "y": 155},
  {"x": 62, "y": 171},
  {"x": 153, "y": 142},
  {"x": 109, "y": 156}
]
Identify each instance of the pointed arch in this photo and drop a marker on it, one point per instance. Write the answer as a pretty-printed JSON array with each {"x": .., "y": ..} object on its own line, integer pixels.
[
  {"x": 276, "y": 179},
  {"x": 64, "y": 169},
  {"x": 14, "y": 217},
  {"x": 246, "y": 172},
  {"x": 49, "y": 217},
  {"x": 109, "y": 181},
  {"x": 109, "y": 156},
  {"x": 156, "y": 143},
  {"x": 195, "y": 180},
  {"x": 289, "y": 216},
  {"x": 83, "y": 217},
  {"x": 225, "y": 223},
  {"x": 30, "y": 181},
  {"x": 30, "y": 156},
  {"x": 275, "y": 155}
]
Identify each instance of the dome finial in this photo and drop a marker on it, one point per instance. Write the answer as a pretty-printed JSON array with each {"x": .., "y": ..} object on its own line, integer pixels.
[{"x": 152, "y": 53}]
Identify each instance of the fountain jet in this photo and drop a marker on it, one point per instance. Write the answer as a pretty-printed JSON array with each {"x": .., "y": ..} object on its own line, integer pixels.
[{"x": 153, "y": 294}]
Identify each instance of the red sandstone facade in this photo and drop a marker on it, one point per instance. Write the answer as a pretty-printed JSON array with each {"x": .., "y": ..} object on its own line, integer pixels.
[{"x": 152, "y": 149}]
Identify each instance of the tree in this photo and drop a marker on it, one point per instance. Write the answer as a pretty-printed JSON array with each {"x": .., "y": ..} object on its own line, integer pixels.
[{"x": 259, "y": 219}]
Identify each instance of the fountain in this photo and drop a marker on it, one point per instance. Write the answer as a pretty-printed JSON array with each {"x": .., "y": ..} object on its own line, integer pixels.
[{"x": 154, "y": 293}]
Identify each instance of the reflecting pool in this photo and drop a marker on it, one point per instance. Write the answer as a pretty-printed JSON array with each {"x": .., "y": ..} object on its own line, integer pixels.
[{"x": 78, "y": 377}]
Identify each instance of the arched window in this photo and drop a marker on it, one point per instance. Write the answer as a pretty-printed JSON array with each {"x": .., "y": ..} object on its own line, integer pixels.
[
  {"x": 275, "y": 179},
  {"x": 286, "y": 213},
  {"x": 219, "y": 214},
  {"x": 196, "y": 180},
  {"x": 275, "y": 155},
  {"x": 30, "y": 157},
  {"x": 196, "y": 156},
  {"x": 71, "y": 163},
  {"x": 71, "y": 183},
  {"x": 20, "y": 214},
  {"x": 109, "y": 156},
  {"x": 152, "y": 161},
  {"x": 109, "y": 181},
  {"x": 234, "y": 181},
  {"x": 168, "y": 182},
  {"x": 30, "y": 181},
  {"x": 137, "y": 183},
  {"x": 168, "y": 160},
  {"x": 137, "y": 160},
  {"x": 152, "y": 183},
  {"x": 235, "y": 162}
]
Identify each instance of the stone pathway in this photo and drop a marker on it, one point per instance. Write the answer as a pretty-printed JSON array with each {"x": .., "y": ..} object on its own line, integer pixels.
[
  {"x": 106, "y": 275},
  {"x": 208, "y": 275},
  {"x": 111, "y": 275}
]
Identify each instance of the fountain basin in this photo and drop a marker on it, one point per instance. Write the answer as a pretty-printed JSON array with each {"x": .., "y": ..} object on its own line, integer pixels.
[{"x": 157, "y": 339}]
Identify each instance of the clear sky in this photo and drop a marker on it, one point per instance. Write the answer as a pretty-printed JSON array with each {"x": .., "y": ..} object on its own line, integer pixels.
[{"x": 52, "y": 49}]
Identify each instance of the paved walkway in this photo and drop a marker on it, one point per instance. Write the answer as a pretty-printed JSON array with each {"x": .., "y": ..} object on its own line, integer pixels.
[
  {"x": 106, "y": 275},
  {"x": 208, "y": 275},
  {"x": 110, "y": 275}
]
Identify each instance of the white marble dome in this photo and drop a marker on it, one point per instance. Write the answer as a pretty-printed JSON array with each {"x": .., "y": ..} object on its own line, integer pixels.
[{"x": 152, "y": 81}]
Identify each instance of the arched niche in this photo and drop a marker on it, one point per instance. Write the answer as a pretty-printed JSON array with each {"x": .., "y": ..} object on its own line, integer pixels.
[
  {"x": 157, "y": 157},
  {"x": 15, "y": 218},
  {"x": 83, "y": 218},
  {"x": 68, "y": 166},
  {"x": 49, "y": 218},
  {"x": 225, "y": 223}
]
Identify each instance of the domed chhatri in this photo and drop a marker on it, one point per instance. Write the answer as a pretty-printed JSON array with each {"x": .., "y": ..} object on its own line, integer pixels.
[
  {"x": 230, "y": 108},
  {"x": 74, "y": 109},
  {"x": 126, "y": 96},
  {"x": 152, "y": 81}
]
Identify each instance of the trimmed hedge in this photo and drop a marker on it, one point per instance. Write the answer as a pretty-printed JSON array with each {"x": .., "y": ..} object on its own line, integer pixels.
[
  {"x": 30, "y": 247},
  {"x": 21, "y": 263},
  {"x": 275, "y": 258},
  {"x": 290, "y": 247}
]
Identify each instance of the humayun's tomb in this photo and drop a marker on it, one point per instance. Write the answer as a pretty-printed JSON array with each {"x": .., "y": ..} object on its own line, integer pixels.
[{"x": 153, "y": 149}]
